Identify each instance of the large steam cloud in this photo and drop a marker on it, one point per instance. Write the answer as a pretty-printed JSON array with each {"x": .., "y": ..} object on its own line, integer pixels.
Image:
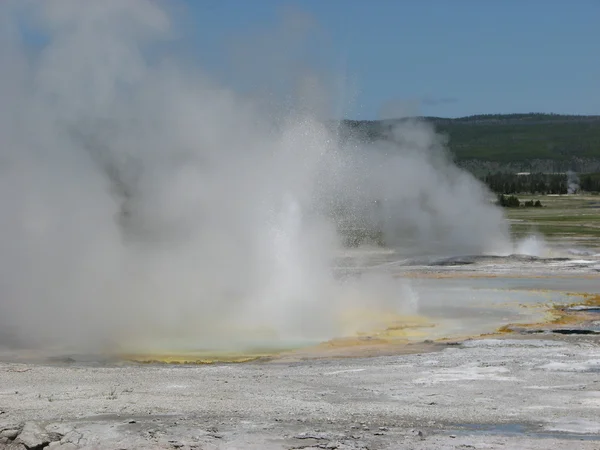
[{"x": 142, "y": 200}]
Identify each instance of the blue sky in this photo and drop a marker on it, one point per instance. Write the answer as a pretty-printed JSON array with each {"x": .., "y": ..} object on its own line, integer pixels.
[
  {"x": 452, "y": 58},
  {"x": 445, "y": 58}
]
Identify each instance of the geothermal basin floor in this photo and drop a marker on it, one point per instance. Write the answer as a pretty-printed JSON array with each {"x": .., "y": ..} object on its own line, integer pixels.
[
  {"x": 528, "y": 389},
  {"x": 525, "y": 393}
]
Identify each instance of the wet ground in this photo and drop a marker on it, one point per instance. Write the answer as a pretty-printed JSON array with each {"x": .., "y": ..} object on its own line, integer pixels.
[
  {"x": 485, "y": 393},
  {"x": 498, "y": 352}
]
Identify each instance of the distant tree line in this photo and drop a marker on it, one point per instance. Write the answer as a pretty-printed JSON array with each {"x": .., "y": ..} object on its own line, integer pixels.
[
  {"x": 589, "y": 182},
  {"x": 512, "y": 201},
  {"x": 541, "y": 183},
  {"x": 536, "y": 183},
  {"x": 527, "y": 139}
]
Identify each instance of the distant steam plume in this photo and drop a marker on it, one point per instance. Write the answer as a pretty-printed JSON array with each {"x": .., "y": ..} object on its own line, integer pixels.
[
  {"x": 143, "y": 202},
  {"x": 572, "y": 182}
]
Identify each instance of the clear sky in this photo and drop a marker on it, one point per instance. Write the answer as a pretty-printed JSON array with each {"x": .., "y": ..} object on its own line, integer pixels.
[{"x": 452, "y": 58}]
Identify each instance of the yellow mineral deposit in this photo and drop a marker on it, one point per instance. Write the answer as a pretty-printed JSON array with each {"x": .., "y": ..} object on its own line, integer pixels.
[
  {"x": 389, "y": 324},
  {"x": 360, "y": 328},
  {"x": 559, "y": 315}
]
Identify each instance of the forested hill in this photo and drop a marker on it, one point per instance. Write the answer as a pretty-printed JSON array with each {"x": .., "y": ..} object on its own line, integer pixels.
[{"x": 511, "y": 142}]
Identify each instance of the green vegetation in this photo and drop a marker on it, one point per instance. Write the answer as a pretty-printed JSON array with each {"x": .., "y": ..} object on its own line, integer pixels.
[
  {"x": 590, "y": 182},
  {"x": 512, "y": 201},
  {"x": 540, "y": 183},
  {"x": 574, "y": 216},
  {"x": 509, "y": 201},
  {"x": 509, "y": 142},
  {"x": 532, "y": 204},
  {"x": 529, "y": 142}
]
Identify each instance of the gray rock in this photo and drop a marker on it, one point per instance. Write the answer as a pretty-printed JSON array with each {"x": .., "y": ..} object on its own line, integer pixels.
[
  {"x": 59, "y": 446},
  {"x": 319, "y": 436},
  {"x": 68, "y": 446},
  {"x": 60, "y": 428},
  {"x": 215, "y": 435},
  {"x": 72, "y": 437},
  {"x": 33, "y": 435},
  {"x": 9, "y": 434},
  {"x": 15, "y": 446}
]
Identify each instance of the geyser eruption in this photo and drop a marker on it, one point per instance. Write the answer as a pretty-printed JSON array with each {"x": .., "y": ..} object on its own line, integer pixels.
[{"x": 145, "y": 204}]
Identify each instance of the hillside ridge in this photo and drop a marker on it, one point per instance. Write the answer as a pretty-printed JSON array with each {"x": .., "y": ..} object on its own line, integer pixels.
[{"x": 536, "y": 142}]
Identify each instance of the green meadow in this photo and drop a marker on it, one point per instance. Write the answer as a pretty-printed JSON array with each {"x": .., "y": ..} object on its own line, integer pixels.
[{"x": 565, "y": 216}]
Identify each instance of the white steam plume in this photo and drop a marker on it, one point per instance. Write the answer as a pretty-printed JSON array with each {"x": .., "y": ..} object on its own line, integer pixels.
[
  {"x": 572, "y": 182},
  {"x": 141, "y": 201}
]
